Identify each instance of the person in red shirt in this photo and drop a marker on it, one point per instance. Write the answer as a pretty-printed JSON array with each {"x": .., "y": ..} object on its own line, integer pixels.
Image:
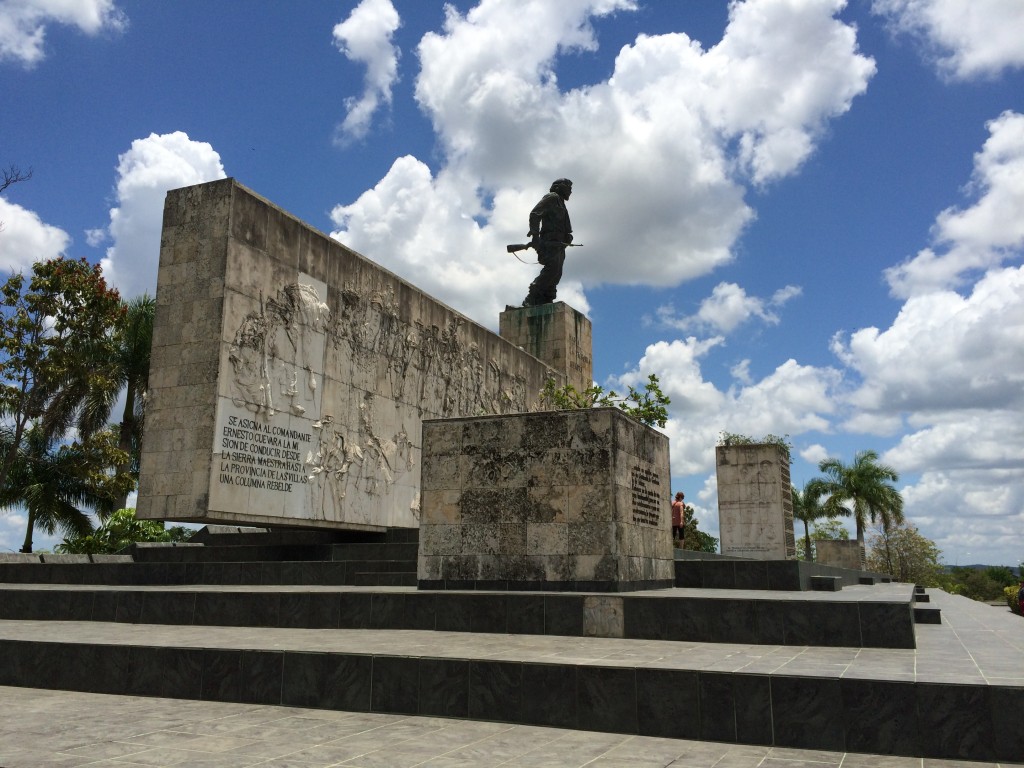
[{"x": 678, "y": 517}]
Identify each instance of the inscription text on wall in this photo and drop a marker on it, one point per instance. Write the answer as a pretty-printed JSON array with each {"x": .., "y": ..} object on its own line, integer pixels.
[
  {"x": 647, "y": 501},
  {"x": 254, "y": 454}
]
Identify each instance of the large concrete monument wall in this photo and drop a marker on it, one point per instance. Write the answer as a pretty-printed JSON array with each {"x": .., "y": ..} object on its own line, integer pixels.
[
  {"x": 567, "y": 500},
  {"x": 755, "y": 502},
  {"x": 289, "y": 374}
]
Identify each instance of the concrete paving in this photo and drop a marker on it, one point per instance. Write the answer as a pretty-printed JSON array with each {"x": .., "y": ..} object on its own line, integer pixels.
[{"x": 58, "y": 728}]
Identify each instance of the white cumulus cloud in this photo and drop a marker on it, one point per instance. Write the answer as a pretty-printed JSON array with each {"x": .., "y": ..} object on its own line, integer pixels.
[
  {"x": 728, "y": 307},
  {"x": 661, "y": 152},
  {"x": 965, "y": 38},
  {"x": 814, "y": 453},
  {"x": 945, "y": 352},
  {"x": 145, "y": 173},
  {"x": 986, "y": 234},
  {"x": 25, "y": 238},
  {"x": 792, "y": 399},
  {"x": 365, "y": 37},
  {"x": 23, "y": 24}
]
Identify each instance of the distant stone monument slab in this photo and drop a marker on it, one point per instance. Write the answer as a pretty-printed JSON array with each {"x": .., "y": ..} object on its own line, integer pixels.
[
  {"x": 561, "y": 500},
  {"x": 755, "y": 501},
  {"x": 289, "y": 375},
  {"x": 839, "y": 553}
]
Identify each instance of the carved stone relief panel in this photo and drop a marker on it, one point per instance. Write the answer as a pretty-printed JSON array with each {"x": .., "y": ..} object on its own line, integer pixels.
[{"x": 317, "y": 369}]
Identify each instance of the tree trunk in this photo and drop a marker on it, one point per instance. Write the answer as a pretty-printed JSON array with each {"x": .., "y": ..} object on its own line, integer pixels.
[
  {"x": 124, "y": 441},
  {"x": 26, "y": 548},
  {"x": 860, "y": 545},
  {"x": 807, "y": 543},
  {"x": 12, "y": 451}
]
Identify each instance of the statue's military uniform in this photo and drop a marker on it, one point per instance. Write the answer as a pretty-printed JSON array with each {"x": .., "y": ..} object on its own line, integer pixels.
[{"x": 552, "y": 231}]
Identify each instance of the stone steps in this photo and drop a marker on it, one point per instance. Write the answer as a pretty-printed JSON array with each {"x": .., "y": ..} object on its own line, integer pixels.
[
  {"x": 731, "y": 694},
  {"x": 873, "y": 621}
]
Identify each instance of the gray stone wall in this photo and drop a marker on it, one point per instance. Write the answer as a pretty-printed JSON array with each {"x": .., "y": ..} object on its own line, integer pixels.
[
  {"x": 289, "y": 374},
  {"x": 571, "y": 500},
  {"x": 755, "y": 502}
]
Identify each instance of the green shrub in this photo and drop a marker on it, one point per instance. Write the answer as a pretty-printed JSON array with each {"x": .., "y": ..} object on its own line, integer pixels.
[
  {"x": 119, "y": 531},
  {"x": 1011, "y": 599}
]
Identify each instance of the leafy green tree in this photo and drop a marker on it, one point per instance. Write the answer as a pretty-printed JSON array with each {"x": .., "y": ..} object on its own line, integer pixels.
[
  {"x": 56, "y": 484},
  {"x": 647, "y": 406},
  {"x": 693, "y": 538},
  {"x": 118, "y": 362},
  {"x": 862, "y": 489},
  {"x": 902, "y": 552},
  {"x": 808, "y": 508},
  {"x": 984, "y": 584},
  {"x": 120, "y": 531},
  {"x": 49, "y": 328}
]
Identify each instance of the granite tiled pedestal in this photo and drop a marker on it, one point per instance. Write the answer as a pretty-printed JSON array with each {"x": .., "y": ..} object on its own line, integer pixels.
[{"x": 559, "y": 500}]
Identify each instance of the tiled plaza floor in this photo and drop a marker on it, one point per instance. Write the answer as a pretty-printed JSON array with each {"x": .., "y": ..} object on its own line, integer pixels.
[{"x": 58, "y": 728}]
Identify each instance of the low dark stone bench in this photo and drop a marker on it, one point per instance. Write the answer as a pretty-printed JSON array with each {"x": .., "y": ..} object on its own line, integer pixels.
[
  {"x": 826, "y": 583},
  {"x": 927, "y": 615}
]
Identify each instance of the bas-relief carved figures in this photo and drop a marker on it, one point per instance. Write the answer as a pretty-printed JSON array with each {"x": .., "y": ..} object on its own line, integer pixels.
[
  {"x": 551, "y": 232},
  {"x": 385, "y": 374}
]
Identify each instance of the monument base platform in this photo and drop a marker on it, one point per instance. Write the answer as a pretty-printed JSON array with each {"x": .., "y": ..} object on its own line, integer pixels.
[
  {"x": 946, "y": 699},
  {"x": 845, "y": 671}
]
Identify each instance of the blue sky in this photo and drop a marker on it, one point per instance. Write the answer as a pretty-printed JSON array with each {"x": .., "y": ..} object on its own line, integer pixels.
[{"x": 805, "y": 216}]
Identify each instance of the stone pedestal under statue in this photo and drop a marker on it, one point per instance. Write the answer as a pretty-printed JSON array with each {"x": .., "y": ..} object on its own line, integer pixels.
[
  {"x": 755, "y": 501},
  {"x": 558, "y": 500},
  {"x": 555, "y": 333}
]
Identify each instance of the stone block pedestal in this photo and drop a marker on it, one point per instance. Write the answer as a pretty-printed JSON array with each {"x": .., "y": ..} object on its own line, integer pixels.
[
  {"x": 755, "y": 501},
  {"x": 557, "y": 500},
  {"x": 556, "y": 334}
]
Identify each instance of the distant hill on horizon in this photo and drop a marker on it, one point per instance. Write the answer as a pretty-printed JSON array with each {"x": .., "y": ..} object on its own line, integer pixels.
[{"x": 980, "y": 567}]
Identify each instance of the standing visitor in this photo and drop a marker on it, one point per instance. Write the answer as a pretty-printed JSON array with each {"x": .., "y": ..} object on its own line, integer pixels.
[{"x": 678, "y": 517}]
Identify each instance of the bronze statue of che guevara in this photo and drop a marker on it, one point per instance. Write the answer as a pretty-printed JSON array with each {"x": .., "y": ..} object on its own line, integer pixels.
[{"x": 551, "y": 233}]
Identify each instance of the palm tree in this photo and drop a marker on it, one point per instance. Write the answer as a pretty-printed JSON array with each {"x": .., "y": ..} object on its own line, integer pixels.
[
  {"x": 118, "y": 363},
  {"x": 862, "y": 489},
  {"x": 808, "y": 507},
  {"x": 52, "y": 485}
]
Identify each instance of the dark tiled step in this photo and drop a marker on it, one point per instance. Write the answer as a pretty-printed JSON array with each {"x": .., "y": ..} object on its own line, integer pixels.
[
  {"x": 785, "y": 575},
  {"x": 377, "y": 551},
  {"x": 853, "y": 624},
  {"x": 385, "y": 579},
  {"x": 212, "y": 553},
  {"x": 326, "y": 573},
  {"x": 821, "y": 713}
]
